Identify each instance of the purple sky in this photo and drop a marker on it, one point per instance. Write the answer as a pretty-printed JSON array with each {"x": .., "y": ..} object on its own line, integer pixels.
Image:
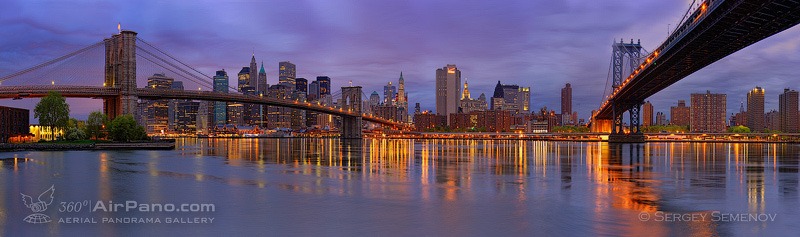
[{"x": 541, "y": 44}]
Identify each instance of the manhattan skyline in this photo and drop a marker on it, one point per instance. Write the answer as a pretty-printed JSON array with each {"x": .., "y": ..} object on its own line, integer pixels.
[{"x": 539, "y": 44}]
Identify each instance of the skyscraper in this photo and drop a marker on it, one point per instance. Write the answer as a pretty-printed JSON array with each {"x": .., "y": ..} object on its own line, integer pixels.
[
  {"x": 755, "y": 110},
  {"x": 402, "y": 100},
  {"x": 708, "y": 112},
  {"x": 680, "y": 115},
  {"x": 389, "y": 91},
  {"x": 301, "y": 84},
  {"x": 253, "y": 73},
  {"x": 566, "y": 99},
  {"x": 287, "y": 72},
  {"x": 220, "y": 108},
  {"x": 647, "y": 113},
  {"x": 324, "y": 85},
  {"x": 448, "y": 90},
  {"x": 244, "y": 78},
  {"x": 158, "y": 110},
  {"x": 525, "y": 96},
  {"x": 374, "y": 99},
  {"x": 313, "y": 91},
  {"x": 788, "y": 109},
  {"x": 262, "y": 81}
]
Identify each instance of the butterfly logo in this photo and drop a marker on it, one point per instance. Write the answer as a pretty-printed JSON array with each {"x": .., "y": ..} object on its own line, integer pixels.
[{"x": 44, "y": 200}]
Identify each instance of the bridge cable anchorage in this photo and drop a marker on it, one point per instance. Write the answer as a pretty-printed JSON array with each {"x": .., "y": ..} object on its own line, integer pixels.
[{"x": 48, "y": 63}]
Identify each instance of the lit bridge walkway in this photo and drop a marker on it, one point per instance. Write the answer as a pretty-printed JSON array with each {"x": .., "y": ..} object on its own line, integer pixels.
[{"x": 20, "y": 92}]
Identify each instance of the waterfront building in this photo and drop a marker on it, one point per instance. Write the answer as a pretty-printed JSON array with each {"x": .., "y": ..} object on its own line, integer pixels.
[
  {"x": 448, "y": 90},
  {"x": 788, "y": 108},
  {"x": 772, "y": 120},
  {"x": 186, "y": 117},
  {"x": 13, "y": 122},
  {"x": 279, "y": 117},
  {"x": 708, "y": 112},
  {"x": 647, "y": 113},
  {"x": 426, "y": 121},
  {"x": 680, "y": 115},
  {"x": 157, "y": 113},
  {"x": 489, "y": 121},
  {"x": 755, "y": 110}
]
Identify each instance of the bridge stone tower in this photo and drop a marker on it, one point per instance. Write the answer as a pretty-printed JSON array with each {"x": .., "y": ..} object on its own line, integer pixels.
[
  {"x": 351, "y": 101},
  {"x": 121, "y": 73}
]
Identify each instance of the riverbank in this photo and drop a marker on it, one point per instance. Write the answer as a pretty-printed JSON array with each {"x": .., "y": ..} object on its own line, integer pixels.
[{"x": 66, "y": 146}]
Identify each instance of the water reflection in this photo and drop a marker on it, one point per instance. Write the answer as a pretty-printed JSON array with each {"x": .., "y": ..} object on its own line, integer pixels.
[{"x": 436, "y": 187}]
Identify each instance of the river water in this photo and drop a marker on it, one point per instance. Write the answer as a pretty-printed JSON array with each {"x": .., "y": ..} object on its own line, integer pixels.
[{"x": 379, "y": 187}]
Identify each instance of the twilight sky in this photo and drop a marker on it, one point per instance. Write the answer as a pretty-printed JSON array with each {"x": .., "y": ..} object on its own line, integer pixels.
[{"x": 538, "y": 43}]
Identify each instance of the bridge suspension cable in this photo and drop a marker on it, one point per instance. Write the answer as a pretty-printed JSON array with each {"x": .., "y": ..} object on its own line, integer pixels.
[{"x": 50, "y": 62}]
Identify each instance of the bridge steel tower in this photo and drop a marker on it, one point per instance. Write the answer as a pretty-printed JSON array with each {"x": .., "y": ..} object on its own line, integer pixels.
[
  {"x": 633, "y": 53},
  {"x": 351, "y": 101},
  {"x": 120, "y": 72}
]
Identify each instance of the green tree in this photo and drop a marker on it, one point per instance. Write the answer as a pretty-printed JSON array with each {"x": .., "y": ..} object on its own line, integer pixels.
[
  {"x": 95, "y": 123},
  {"x": 739, "y": 129},
  {"x": 52, "y": 111},
  {"x": 124, "y": 129}
]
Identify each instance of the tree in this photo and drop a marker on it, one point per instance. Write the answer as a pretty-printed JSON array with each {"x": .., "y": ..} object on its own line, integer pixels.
[
  {"x": 739, "y": 129},
  {"x": 52, "y": 111},
  {"x": 124, "y": 129},
  {"x": 95, "y": 123}
]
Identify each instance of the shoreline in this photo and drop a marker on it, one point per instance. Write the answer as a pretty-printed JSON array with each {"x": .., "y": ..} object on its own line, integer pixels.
[{"x": 156, "y": 145}]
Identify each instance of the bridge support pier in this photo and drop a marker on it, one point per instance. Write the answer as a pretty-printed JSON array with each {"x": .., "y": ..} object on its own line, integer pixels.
[
  {"x": 120, "y": 72},
  {"x": 634, "y": 134},
  {"x": 351, "y": 127}
]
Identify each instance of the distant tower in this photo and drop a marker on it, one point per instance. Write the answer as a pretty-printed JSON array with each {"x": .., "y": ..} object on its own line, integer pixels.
[
  {"x": 566, "y": 99},
  {"x": 262, "y": 81},
  {"x": 448, "y": 90},
  {"x": 402, "y": 101},
  {"x": 253, "y": 72},
  {"x": 465, "y": 94}
]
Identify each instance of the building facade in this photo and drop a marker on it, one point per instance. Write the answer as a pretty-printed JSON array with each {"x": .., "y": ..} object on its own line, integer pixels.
[
  {"x": 680, "y": 115},
  {"x": 788, "y": 108},
  {"x": 287, "y": 72},
  {"x": 448, "y": 90},
  {"x": 755, "y": 110},
  {"x": 220, "y": 108},
  {"x": 13, "y": 122},
  {"x": 647, "y": 114},
  {"x": 708, "y": 113},
  {"x": 157, "y": 119}
]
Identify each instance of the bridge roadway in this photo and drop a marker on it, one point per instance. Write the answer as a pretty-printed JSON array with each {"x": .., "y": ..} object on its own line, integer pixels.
[
  {"x": 717, "y": 29},
  {"x": 20, "y": 92}
]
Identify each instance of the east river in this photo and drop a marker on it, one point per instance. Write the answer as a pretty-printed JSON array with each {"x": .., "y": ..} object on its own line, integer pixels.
[{"x": 383, "y": 187}]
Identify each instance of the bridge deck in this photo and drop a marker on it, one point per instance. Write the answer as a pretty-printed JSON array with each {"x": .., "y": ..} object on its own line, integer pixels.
[{"x": 715, "y": 31}]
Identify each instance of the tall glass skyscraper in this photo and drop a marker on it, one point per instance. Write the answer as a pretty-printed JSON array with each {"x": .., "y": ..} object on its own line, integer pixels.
[{"x": 220, "y": 108}]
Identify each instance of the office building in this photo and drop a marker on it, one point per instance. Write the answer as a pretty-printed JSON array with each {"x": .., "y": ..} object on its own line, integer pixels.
[
  {"x": 389, "y": 92},
  {"x": 301, "y": 84},
  {"x": 324, "y": 85},
  {"x": 468, "y": 104},
  {"x": 287, "y": 72},
  {"x": 448, "y": 90},
  {"x": 157, "y": 112},
  {"x": 220, "y": 108},
  {"x": 755, "y": 110}
]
